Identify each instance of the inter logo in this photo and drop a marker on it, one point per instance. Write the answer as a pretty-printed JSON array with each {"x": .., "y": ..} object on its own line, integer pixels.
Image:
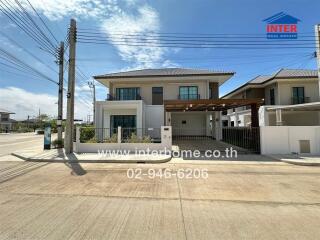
[{"x": 282, "y": 26}]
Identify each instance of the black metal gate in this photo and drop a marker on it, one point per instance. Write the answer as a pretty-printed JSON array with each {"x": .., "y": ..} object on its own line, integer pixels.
[{"x": 244, "y": 137}]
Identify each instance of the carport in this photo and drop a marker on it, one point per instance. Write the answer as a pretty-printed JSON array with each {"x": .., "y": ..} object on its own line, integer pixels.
[{"x": 201, "y": 120}]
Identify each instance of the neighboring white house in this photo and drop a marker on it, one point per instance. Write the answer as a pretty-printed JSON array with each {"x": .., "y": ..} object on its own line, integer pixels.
[
  {"x": 136, "y": 99},
  {"x": 291, "y": 98},
  {"x": 5, "y": 121}
]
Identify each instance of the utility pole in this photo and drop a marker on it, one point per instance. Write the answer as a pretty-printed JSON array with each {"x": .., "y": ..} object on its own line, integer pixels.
[
  {"x": 93, "y": 86},
  {"x": 317, "y": 34},
  {"x": 68, "y": 142},
  {"x": 60, "y": 94}
]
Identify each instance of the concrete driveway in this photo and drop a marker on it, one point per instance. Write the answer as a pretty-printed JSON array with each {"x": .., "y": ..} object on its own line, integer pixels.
[{"x": 252, "y": 200}]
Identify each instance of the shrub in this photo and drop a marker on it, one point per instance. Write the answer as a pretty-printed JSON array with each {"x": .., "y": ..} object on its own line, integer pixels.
[
  {"x": 24, "y": 130},
  {"x": 58, "y": 143},
  {"x": 112, "y": 139},
  {"x": 92, "y": 140},
  {"x": 86, "y": 134},
  {"x": 135, "y": 139}
]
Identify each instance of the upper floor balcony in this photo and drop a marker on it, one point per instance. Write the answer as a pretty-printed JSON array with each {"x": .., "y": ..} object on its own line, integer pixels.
[
  {"x": 300, "y": 100},
  {"x": 126, "y": 97}
]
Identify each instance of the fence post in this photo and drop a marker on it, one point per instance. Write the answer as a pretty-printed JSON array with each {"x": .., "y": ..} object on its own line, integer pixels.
[
  {"x": 78, "y": 135},
  {"x": 119, "y": 134}
]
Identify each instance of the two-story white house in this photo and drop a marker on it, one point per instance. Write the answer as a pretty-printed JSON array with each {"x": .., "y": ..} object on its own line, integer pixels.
[
  {"x": 5, "y": 121},
  {"x": 151, "y": 98},
  {"x": 293, "y": 93}
]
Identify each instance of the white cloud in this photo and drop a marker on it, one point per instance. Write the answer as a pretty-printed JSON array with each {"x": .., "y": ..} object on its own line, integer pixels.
[
  {"x": 57, "y": 9},
  {"x": 146, "y": 21},
  {"x": 122, "y": 16},
  {"x": 25, "y": 103}
]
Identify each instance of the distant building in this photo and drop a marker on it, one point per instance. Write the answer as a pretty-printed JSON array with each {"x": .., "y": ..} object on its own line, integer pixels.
[
  {"x": 5, "y": 121},
  {"x": 291, "y": 98}
]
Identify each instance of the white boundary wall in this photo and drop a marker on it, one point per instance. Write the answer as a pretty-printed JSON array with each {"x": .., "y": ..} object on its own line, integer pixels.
[
  {"x": 285, "y": 139},
  {"x": 166, "y": 144}
]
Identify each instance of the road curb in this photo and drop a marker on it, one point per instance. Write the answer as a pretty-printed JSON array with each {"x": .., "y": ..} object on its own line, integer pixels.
[
  {"x": 301, "y": 163},
  {"x": 146, "y": 161}
]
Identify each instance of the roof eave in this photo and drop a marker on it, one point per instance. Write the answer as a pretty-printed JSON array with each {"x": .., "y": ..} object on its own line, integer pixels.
[{"x": 154, "y": 76}]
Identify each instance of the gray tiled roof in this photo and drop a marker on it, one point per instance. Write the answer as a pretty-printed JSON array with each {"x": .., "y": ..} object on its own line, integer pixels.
[
  {"x": 259, "y": 79},
  {"x": 282, "y": 73},
  {"x": 2, "y": 110},
  {"x": 296, "y": 73},
  {"x": 164, "y": 72}
]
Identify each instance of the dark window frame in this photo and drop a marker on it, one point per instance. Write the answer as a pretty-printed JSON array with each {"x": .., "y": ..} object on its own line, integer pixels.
[
  {"x": 272, "y": 96},
  {"x": 188, "y": 94},
  {"x": 297, "y": 97},
  {"x": 125, "y": 94}
]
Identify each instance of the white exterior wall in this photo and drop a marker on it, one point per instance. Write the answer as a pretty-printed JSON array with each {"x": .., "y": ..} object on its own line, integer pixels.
[
  {"x": 154, "y": 115},
  {"x": 196, "y": 123},
  {"x": 104, "y": 109},
  {"x": 285, "y": 139},
  {"x": 147, "y": 116},
  {"x": 289, "y": 118},
  {"x": 284, "y": 91},
  {"x": 170, "y": 89}
]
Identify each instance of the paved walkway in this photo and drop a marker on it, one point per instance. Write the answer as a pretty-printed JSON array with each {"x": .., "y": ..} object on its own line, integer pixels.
[
  {"x": 58, "y": 155},
  {"x": 303, "y": 160}
]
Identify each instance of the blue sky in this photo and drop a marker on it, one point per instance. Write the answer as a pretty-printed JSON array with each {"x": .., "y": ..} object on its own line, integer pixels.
[{"x": 25, "y": 95}]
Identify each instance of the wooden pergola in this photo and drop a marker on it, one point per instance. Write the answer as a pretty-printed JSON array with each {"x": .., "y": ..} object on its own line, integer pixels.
[{"x": 215, "y": 105}]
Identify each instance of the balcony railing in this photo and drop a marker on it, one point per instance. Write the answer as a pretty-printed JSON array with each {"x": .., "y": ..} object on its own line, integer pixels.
[
  {"x": 123, "y": 97},
  {"x": 188, "y": 96},
  {"x": 300, "y": 100}
]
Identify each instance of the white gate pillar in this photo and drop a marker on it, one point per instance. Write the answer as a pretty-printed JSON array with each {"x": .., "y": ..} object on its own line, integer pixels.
[{"x": 279, "y": 117}]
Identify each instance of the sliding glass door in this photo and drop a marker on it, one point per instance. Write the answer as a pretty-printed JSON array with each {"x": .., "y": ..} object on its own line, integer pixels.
[
  {"x": 128, "y": 94},
  {"x": 126, "y": 122}
]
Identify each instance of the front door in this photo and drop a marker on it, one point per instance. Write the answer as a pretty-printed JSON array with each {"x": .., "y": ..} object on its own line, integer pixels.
[{"x": 126, "y": 122}]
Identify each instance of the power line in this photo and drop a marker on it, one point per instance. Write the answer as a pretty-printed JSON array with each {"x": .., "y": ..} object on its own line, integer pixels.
[
  {"x": 12, "y": 41},
  {"x": 216, "y": 46},
  {"x": 14, "y": 60},
  {"x": 183, "y": 39},
  {"x": 48, "y": 29},
  {"x": 24, "y": 21},
  {"x": 181, "y": 34}
]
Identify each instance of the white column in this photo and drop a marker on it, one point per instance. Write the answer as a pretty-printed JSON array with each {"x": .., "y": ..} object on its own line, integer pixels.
[
  {"x": 218, "y": 125},
  {"x": 236, "y": 117},
  {"x": 229, "y": 121},
  {"x": 168, "y": 119},
  {"x": 208, "y": 125},
  {"x": 279, "y": 117},
  {"x": 119, "y": 134},
  {"x": 263, "y": 117}
]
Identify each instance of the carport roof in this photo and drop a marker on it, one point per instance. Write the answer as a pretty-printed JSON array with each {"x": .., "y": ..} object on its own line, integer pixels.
[{"x": 209, "y": 104}]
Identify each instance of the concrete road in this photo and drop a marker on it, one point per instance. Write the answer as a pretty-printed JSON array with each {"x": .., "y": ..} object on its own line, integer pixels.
[
  {"x": 98, "y": 201},
  {"x": 14, "y": 142}
]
